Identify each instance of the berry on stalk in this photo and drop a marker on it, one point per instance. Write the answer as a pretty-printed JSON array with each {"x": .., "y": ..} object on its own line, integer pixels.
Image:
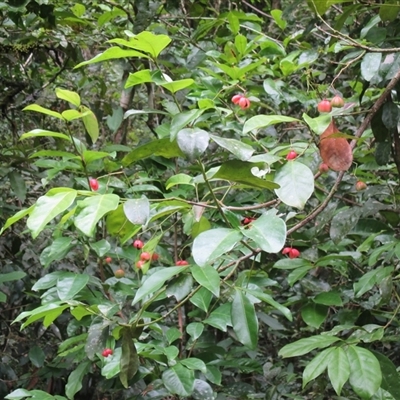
[
  {"x": 244, "y": 103},
  {"x": 236, "y": 98},
  {"x": 337, "y": 101},
  {"x": 138, "y": 244},
  {"x": 94, "y": 184},
  {"x": 291, "y": 155},
  {"x": 324, "y": 106}
]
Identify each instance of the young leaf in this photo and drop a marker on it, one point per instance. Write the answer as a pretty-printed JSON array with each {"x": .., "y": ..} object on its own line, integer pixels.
[
  {"x": 41, "y": 132},
  {"x": 175, "y": 86},
  {"x": 91, "y": 124},
  {"x": 244, "y": 320},
  {"x": 40, "y": 109},
  {"x": 69, "y": 96}
]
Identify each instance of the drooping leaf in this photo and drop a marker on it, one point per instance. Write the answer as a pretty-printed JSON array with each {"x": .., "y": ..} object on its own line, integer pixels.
[
  {"x": 129, "y": 362},
  {"x": 296, "y": 183},
  {"x": 74, "y": 384},
  {"x": 265, "y": 297},
  {"x": 12, "y": 276},
  {"x": 18, "y": 185},
  {"x": 16, "y": 217},
  {"x": 211, "y": 244},
  {"x": 244, "y": 320},
  {"x": 91, "y": 124},
  {"x": 370, "y": 65}
]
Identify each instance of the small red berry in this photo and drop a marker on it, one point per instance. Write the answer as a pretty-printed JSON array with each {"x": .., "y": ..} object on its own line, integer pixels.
[
  {"x": 248, "y": 220},
  {"x": 291, "y": 155},
  {"x": 138, "y": 244},
  {"x": 294, "y": 253},
  {"x": 286, "y": 250},
  {"x": 181, "y": 263},
  {"x": 108, "y": 260},
  {"x": 119, "y": 273},
  {"x": 360, "y": 185},
  {"x": 244, "y": 103},
  {"x": 107, "y": 352},
  {"x": 324, "y": 106},
  {"x": 337, "y": 101},
  {"x": 323, "y": 168},
  {"x": 236, "y": 98},
  {"x": 94, "y": 184},
  {"x": 145, "y": 256},
  {"x": 155, "y": 257},
  {"x": 140, "y": 263}
]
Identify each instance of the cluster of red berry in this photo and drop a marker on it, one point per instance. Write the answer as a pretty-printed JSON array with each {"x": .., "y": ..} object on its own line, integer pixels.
[
  {"x": 144, "y": 255},
  {"x": 181, "y": 263},
  {"x": 325, "y": 105},
  {"x": 242, "y": 101},
  {"x": 291, "y": 252},
  {"x": 107, "y": 352}
]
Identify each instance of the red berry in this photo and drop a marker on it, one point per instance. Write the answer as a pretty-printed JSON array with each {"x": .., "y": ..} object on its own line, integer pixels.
[
  {"x": 140, "y": 263},
  {"x": 155, "y": 257},
  {"x": 323, "y": 168},
  {"x": 181, "y": 263},
  {"x": 236, "y": 98},
  {"x": 337, "y": 101},
  {"x": 324, "y": 106},
  {"x": 94, "y": 184},
  {"x": 107, "y": 352},
  {"x": 294, "y": 253},
  {"x": 291, "y": 155},
  {"x": 248, "y": 220},
  {"x": 145, "y": 256},
  {"x": 108, "y": 260},
  {"x": 286, "y": 250},
  {"x": 138, "y": 244},
  {"x": 119, "y": 273},
  {"x": 360, "y": 185},
  {"x": 244, "y": 103}
]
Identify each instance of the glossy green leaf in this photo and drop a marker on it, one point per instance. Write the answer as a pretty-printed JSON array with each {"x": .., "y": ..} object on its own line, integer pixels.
[
  {"x": 129, "y": 362},
  {"x": 92, "y": 210},
  {"x": 96, "y": 339},
  {"x": 240, "y": 150},
  {"x": 343, "y": 222},
  {"x": 296, "y": 183},
  {"x": 69, "y": 286},
  {"x": 244, "y": 320},
  {"x": 220, "y": 318},
  {"x": 42, "y": 132},
  {"x": 69, "y": 96},
  {"x": 101, "y": 247},
  {"x": 314, "y": 314},
  {"x": 195, "y": 329},
  {"x": 202, "y": 299},
  {"x": 331, "y": 298},
  {"x": 365, "y": 371},
  {"x": 338, "y": 369},
  {"x": 47, "y": 208},
  {"x": 194, "y": 364},
  {"x": 16, "y": 217},
  {"x": 202, "y": 390},
  {"x": 180, "y": 287},
  {"x": 370, "y": 65},
  {"x": 49, "y": 312},
  {"x": 208, "y": 277},
  {"x": 156, "y": 281},
  {"x": 12, "y": 276},
  {"x": 179, "y": 380},
  {"x": 304, "y": 346},
  {"x": 390, "y": 376},
  {"x": 240, "y": 172},
  {"x": 268, "y": 232},
  {"x": 111, "y": 54},
  {"x": 263, "y": 121},
  {"x": 70, "y": 115},
  {"x": 266, "y": 298},
  {"x": 318, "y": 124},
  {"x": 298, "y": 274},
  {"x": 182, "y": 119},
  {"x": 18, "y": 394},
  {"x": 211, "y": 244},
  {"x": 317, "y": 365},
  {"x": 179, "y": 179},
  {"x": 91, "y": 124},
  {"x": 137, "y": 210},
  {"x": 57, "y": 250},
  {"x": 43, "y": 110},
  {"x": 370, "y": 279},
  {"x": 193, "y": 142},
  {"x": 118, "y": 224},
  {"x": 163, "y": 148},
  {"x": 139, "y": 77},
  {"x": 175, "y": 86},
  {"x": 74, "y": 384}
]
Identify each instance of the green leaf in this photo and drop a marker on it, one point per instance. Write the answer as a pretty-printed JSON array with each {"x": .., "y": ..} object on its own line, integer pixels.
[
  {"x": 304, "y": 346},
  {"x": 338, "y": 369},
  {"x": 69, "y": 96},
  {"x": 211, "y": 244},
  {"x": 240, "y": 150},
  {"x": 317, "y": 365},
  {"x": 266, "y": 298},
  {"x": 156, "y": 281},
  {"x": 37, "y": 356},
  {"x": 163, "y": 147},
  {"x": 74, "y": 384},
  {"x": 193, "y": 142},
  {"x": 208, "y": 277},
  {"x": 12, "y": 276},
  {"x": 69, "y": 286},
  {"x": 91, "y": 124},
  {"x": 365, "y": 371},
  {"x": 331, "y": 298},
  {"x": 47, "y": 208},
  {"x": 16, "y": 217},
  {"x": 202, "y": 299},
  {"x": 139, "y": 77},
  {"x": 296, "y": 183},
  {"x": 175, "y": 86},
  {"x": 41, "y": 132},
  {"x": 111, "y": 54},
  {"x": 57, "y": 250},
  {"x": 369, "y": 279},
  {"x": 318, "y": 124},
  {"x": 179, "y": 380},
  {"x": 40, "y": 109},
  {"x": 18, "y": 394},
  {"x": 262, "y": 121},
  {"x": 390, "y": 376},
  {"x": 182, "y": 119},
  {"x": 92, "y": 210},
  {"x": 298, "y": 273},
  {"x": 240, "y": 172},
  {"x": 194, "y": 363},
  {"x": 180, "y": 287},
  {"x": 195, "y": 329},
  {"x": 129, "y": 362},
  {"x": 137, "y": 210},
  {"x": 70, "y": 115},
  {"x": 314, "y": 314},
  {"x": 18, "y": 186},
  {"x": 146, "y": 41},
  {"x": 101, "y": 247},
  {"x": 268, "y": 232},
  {"x": 370, "y": 65},
  {"x": 179, "y": 179},
  {"x": 220, "y": 318},
  {"x": 96, "y": 339},
  {"x": 244, "y": 320}
]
